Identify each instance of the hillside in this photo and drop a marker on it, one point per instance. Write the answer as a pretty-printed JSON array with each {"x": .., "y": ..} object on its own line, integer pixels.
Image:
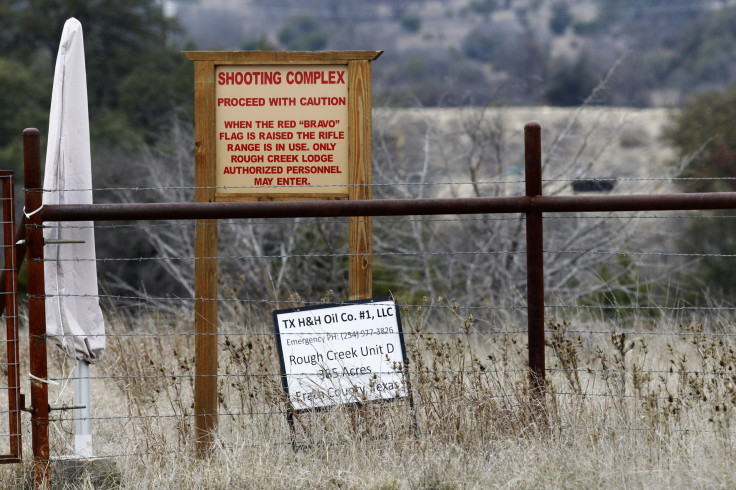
[{"x": 458, "y": 52}]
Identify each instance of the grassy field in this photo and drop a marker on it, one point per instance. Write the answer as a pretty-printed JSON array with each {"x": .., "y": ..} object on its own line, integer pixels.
[
  {"x": 651, "y": 409},
  {"x": 633, "y": 399}
]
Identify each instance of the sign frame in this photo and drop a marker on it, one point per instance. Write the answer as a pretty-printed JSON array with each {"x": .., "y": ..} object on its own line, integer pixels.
[
  {"x": 359, "y": 101},
  {"x": 339, "y": 333}
]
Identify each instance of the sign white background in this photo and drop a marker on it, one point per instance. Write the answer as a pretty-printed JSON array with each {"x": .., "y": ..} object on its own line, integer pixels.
[{"x": 346, "y": 353}]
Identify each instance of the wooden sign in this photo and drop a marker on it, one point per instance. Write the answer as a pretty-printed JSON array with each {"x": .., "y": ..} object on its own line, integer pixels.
[{"x": 275, "y": 126}]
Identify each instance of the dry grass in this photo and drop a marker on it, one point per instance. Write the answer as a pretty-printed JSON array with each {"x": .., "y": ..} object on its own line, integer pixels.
[{"x": 657, "y": 412}]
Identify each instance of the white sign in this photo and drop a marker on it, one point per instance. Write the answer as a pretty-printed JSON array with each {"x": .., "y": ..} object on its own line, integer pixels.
[{"x": 342, "y": 353}]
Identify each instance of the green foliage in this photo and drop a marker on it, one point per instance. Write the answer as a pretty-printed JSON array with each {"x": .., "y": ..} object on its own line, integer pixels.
[
  {"x": 117, "y": 34},
  {"x": 625, "y": 286},
  {"x": 707, "y": 49},
  {"x": 415, "y": 68},
  {"x": 135, "y": 76},
  {"x": 440, "y": 79},
  {"x": 571, "y": 83},
  {"x": 302, "y": 33},
  {"x": 156, "y": 87},
  {"x": 258, "y": 44},
  {"x": 708, "y": 236},
  {"x": 704, "y": 133},
  {"x": 25, "y": 104}
]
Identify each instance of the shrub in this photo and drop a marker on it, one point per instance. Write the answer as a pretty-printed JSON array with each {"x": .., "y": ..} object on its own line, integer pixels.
[
  {"x": 302, "y": 33},
  {"x": 479, "y": 45}
]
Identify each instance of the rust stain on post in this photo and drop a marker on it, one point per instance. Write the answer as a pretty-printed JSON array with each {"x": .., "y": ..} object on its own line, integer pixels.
[{"x": 36, "y": 308}]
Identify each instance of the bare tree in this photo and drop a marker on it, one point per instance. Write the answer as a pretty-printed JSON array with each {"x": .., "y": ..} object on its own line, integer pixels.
[{"x": 477, "y": 260}]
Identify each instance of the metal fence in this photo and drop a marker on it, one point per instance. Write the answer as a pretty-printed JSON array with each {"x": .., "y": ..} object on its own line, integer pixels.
[
  {"x": 467, "y": 354},
  {"x": 10, "y": 397}
]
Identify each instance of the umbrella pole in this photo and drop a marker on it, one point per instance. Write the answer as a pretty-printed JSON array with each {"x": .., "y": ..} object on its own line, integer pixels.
[{"x": 82, "y": 422}]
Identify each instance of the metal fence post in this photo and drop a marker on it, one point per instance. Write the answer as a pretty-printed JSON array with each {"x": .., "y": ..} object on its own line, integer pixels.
[
  {"x": 36, "y": 308},
  {"x": 534, "y": 255}
]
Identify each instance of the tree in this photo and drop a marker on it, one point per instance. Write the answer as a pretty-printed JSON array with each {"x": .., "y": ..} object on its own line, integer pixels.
[
  {"x": 302, "y": 33},
  {"x": 128, "y": 49},
  {"x": 704, "y": 137},
  {"x": 25, "y": 104},
  {"x": 571, "y": 83},
  {"x": 706, "y": 50},
  {"x": 479, "y": 45}
]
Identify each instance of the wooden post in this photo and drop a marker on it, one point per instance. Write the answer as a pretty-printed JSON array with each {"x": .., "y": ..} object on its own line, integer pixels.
[
  {"x": 205, "y": 265},
  {"x": 360, "y": 241}
]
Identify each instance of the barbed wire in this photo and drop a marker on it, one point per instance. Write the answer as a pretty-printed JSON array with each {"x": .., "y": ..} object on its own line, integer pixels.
[
  {"x": 514, "y": 307},
  {"x": 670, "y": 398},
  {"x": 622, "y": 253},
  {"x": 377, "y": 220},
  {"x": 640, "y": 307},
  {"x": 642, "y": 332},
  {"x": 411, "y": 373},
  {"x": 394, "y": 403},
  {"x": 642, "y": 371},
  {"x": 270, "y": 334},
  {"x": 289, "y": 256},
  {"x": 299, "y": 302}
]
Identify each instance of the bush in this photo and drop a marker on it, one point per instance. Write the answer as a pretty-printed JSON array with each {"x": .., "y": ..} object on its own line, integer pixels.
[
  {"x": 479, "y": 45},
  {"x": 302, "y": 33},
  {"x": 570, "y": 84},
  {"x": 705, "y": 139},
  {"x": 411, "y": 22},
  {"x": 703, "y": 134},
  {"x": 25, "y": 104}
]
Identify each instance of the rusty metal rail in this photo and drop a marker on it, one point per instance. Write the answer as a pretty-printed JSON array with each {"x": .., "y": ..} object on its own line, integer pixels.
[{"x": 387, "y": 207}]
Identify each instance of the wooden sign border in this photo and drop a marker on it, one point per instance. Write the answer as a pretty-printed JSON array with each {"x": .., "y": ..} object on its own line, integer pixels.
[
  {"x": 206, "y": 237},
  {"x": 359, "y": 117}
]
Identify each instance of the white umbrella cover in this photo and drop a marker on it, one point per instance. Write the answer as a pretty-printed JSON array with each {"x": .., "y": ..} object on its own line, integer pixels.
[{"x": 73, "y": 317}]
